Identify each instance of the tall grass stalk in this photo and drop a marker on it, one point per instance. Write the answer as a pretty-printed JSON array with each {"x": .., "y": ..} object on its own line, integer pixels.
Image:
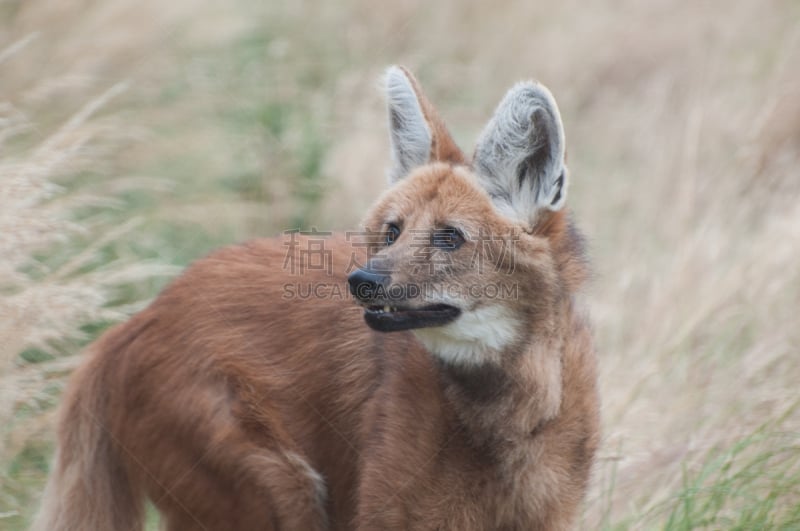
[{"x": 53, "y": 280}]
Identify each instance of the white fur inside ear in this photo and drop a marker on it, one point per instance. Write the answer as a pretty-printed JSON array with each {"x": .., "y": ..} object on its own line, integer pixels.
[
  {"x": 410, "y": 136},
  {"x": 520, "y": 154}
]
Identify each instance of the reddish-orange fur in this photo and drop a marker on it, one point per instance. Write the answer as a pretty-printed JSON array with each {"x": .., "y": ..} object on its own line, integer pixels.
[{"x": 229, "y": 398}]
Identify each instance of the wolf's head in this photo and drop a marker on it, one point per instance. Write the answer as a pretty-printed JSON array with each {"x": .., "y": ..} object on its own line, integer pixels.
[{"x": 472, "y": 255}]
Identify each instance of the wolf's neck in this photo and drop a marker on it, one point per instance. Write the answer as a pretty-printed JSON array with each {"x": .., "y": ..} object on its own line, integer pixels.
[
  {"x": 503, "y": 378},
  {"x": 507, "y": 397}
]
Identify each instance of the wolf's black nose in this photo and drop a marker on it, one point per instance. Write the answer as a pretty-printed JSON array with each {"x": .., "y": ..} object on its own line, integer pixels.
[{"x": 366, "y": 285}]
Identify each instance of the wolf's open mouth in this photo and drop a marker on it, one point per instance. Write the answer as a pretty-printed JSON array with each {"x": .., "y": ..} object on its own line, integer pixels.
[{"x": 393, "y": 319}]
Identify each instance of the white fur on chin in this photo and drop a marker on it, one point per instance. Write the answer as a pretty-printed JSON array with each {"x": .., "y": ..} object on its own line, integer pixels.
[{"x": 476, "y": 337}]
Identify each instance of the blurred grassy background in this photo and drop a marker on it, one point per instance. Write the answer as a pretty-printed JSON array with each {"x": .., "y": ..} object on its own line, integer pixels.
[{"x": 228, "y": 121}]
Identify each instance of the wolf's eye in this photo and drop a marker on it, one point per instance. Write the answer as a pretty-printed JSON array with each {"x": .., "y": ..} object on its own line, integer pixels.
[
  {"x": 392, "y": 233},
  {"x": 447, "y": 238}
]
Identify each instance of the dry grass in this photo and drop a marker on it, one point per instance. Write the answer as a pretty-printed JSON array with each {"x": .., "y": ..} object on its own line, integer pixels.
[
  {"x": 683, "y": 124},
  {"x": 53, "y": 279}
]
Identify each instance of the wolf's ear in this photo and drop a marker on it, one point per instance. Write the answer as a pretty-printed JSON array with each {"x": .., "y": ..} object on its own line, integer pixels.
[
  {"x": 520, "y": 154},
  {"x": 417, "y": 134}
]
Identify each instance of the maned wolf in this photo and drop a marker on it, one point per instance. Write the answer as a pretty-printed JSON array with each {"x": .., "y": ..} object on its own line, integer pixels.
[{"x": 236, "y": 401}]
